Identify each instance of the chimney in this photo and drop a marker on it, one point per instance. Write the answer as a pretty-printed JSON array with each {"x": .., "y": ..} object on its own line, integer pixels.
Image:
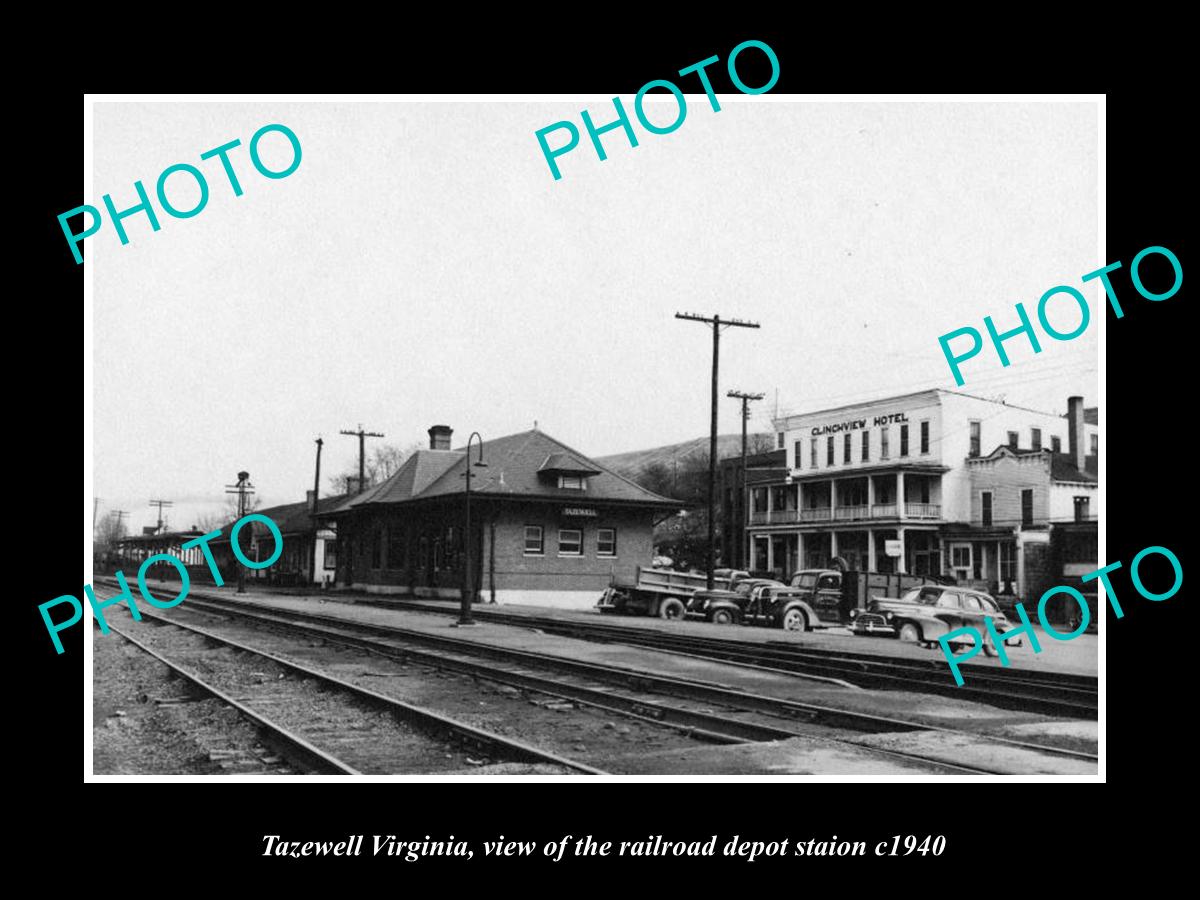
[
  {"x": 311, "y": 501},
  {"x": 1075, "y": 432},
  {"x": 439, "y": 436}
]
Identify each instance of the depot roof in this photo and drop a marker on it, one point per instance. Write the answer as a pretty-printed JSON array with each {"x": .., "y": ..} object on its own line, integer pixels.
[{"x": 518, "y": 465}]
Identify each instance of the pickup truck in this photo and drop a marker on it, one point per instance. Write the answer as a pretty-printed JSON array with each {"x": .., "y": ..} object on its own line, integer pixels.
[
  {"x": 663, "y": 592},
  {"x": 756, "y": 602}
]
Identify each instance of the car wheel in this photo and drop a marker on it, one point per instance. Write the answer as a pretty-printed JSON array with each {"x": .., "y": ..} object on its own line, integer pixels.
[
  {"x": 722, "y": 617},
  {"x": 671, "y": 608},
  {"x": 793, "y": 620},
  {"x": 989, "y": 649},
  {"x": 910, "y": 633}
]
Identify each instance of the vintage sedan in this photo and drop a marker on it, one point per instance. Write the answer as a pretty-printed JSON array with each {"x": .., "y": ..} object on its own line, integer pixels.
[{"x": 926, "y": 613}]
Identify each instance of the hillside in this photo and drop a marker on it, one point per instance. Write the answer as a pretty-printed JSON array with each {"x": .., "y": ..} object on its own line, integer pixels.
[{"x": 634, "y": 462}]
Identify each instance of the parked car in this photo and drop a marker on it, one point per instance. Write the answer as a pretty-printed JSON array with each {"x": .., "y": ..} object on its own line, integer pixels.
[{"x": 926, "y": 613}]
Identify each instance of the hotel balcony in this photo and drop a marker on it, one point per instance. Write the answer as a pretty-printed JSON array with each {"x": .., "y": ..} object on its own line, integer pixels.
[
  {"x": 845, "y": 513},
  {"x": 923, "y": 510}
]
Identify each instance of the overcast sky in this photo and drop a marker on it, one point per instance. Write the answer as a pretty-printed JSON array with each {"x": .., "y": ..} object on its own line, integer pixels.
[{"x": 422, "y": 266}]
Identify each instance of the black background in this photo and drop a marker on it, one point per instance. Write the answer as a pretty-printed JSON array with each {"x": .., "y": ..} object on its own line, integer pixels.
[{"x": 1023, "y": 833}]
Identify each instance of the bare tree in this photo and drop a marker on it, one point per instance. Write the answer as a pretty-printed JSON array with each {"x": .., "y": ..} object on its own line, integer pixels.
[
  {"x": 381, "y": 464},
  {"x": 109, "y": 530},
  {"x": 759, "y": 443}
]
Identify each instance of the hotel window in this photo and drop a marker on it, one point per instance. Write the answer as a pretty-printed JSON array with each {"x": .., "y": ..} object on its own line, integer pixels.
[
  {"x": 1055, "y": 444},
  {"x": 812, "y": 454},
  {"x": 829, "y": 450},
  {"x": 571, "y": 482},
  {"x": 397, "y": 545},
  {"x": 1014, "y": 440},
  {"x": 985, "y": 503},
  {"x": 846, "y": 443},
  {"x": 904, "y": 440},
  {"x": 976, "y": 438},
  {"x": 925, "y": 436},
  {"x": 1036, "y": 440},
  {"x": 377, "y": 539},
  {"x": 1095, "y": 445},
  {"x": 533, "y": 540},
  {"x": 866, "y": 446},
  {"x": 883, "y": 443},
  {"x": 606, "y": 542},
  {"x": 331, "y": 554},
  {"x": 1008, "y": 565},
  {"x": 570, "y": 542},
  {"x": 1027, "y": 507},
  {"x": 798, "y": 453},
  {"x": 779, "y": 441},
  {"x": 1081, "y": 509}
]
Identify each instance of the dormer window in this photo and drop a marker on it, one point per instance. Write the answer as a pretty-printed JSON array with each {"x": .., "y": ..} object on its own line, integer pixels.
[
  {"x": 572, "y": 482},
  {"x": 568, "y": 471}
]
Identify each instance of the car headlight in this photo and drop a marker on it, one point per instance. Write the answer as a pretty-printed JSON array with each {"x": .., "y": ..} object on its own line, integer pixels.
[
  {"x": 887, "y": 616},
  {"x": 853, "y": 613}
]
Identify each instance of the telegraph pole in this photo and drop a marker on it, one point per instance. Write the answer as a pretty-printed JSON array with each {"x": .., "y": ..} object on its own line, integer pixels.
[
  {"x": 120, "y": 514},
  {"x": 312, "y": 569},
  {"x": 742, "y": 504},
  {"x": 362, "y": 452},
  {"x": 242, "y": 488},
  {"x": 716, "y": 322},
  {"x": 95, "y": 512},
  {"x": 160, "y": 504}
]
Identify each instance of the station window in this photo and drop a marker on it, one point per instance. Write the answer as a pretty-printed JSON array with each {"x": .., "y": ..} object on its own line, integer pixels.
[
  {"x": 1036, "y": 438},
  {"x": 331, "y": 554},
  {"x": 883, "y": 442},
  {"x": 925, "y": 436},
  {"x": 829, "y": 450},
  {"x": 534, "y": 545},
  {"x": 570, "y": 542},
  {"x": 571, "y": 482},
  {"x": 985, "y": 503},
  {"x": 606, "y": 542},
  {"x": 397, "y": 556},
  {"x": 779, "y": 438},
  {"x": 1055, "y": 444},
  {"x": 1027, "y": 507},
  {"x": 798, "y": 451},
  {"x": 812, "y": 454},
  {"x": 904, "y": 440},
  {"x": 976, "y": 438},
  {"x": 866, "y": 446},
  {"x": 846, "y": 442}
]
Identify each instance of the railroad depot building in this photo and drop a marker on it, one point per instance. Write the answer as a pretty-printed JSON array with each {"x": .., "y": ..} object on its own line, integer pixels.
[
  {"x": 549, "y": 525},
  {"x": 303, "y": 536},
  {"x": 933, "y": 483}
]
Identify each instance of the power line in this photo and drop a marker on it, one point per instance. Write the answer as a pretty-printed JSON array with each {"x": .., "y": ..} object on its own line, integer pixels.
[{"x": 160, "y": 504}]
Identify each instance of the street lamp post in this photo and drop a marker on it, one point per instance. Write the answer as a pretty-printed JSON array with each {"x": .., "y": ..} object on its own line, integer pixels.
[{"x": 468, "y": 586}]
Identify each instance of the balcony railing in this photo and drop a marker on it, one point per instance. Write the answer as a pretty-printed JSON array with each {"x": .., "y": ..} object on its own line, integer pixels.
[
  {"x": 850, "y": 512},
  {"x": 884, "y": 511},
  {"x": 815, "y": 514},
  {"x": 923, "y": 510}
]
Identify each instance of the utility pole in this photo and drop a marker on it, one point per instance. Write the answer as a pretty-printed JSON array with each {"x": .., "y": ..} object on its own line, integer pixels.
[
  {"x": 95, "y": 513},
  {"x": 743, "y": 505},
  {"x": 120, "y": 514},
  {"x": 716, "y": 322},
  {"x": 362, "y": 452},
  {"x": 312, "y": 569},
  {"x": 160, "y": 504},
  {"x": 242, "y": 488}
]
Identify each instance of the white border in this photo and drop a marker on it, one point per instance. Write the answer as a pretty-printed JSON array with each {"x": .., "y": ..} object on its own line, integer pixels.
[{"x": 88, "y": 297}]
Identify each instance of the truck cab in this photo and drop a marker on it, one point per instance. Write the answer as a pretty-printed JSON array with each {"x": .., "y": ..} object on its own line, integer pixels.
[{"x": 821, "y": 589}]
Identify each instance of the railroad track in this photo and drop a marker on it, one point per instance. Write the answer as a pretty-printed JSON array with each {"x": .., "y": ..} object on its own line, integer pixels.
[
  {"x": 327, "y": 736},
  {"x": 1058, "y": 694},
  {"x": 732, "y": 726}
]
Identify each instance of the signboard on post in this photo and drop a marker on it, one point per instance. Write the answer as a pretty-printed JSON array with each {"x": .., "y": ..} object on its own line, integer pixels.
[{"x": 891, "y": 548}]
